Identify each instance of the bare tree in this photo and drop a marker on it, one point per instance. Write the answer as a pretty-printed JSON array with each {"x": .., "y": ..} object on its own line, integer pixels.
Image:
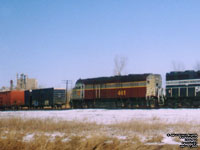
[
  {"x": 178, "y": 66},
  {"x": 120, "y": 63},
  {"x": 197, "y": 66}
]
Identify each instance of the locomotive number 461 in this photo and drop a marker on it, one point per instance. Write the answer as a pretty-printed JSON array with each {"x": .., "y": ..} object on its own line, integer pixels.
[{"x": 121, "y": 93}]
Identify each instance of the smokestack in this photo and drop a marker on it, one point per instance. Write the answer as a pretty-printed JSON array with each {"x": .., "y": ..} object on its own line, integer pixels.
[
  {"x": 25, "y": 78},
  {"x": 11, "y": 85}
]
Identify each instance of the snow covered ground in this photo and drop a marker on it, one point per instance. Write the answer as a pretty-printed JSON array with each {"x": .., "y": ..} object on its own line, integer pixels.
[{"x": 106, "y": 116}]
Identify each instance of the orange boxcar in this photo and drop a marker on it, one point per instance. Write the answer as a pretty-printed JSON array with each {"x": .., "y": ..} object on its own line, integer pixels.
[{"x": 11, "y": 98}]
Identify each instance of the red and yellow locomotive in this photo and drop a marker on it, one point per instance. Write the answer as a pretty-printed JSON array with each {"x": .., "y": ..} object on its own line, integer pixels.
[{"x": 129, "y": 91}]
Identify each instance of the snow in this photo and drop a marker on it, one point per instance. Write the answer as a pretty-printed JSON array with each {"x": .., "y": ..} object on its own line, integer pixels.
[
  {"x": 169, "y": 140},
  {"x": 106, "y": 116},
  {"x": 28, "y": 137},
  {"x": 52, "y": 136},
  {"x": 121, "y": 137}
]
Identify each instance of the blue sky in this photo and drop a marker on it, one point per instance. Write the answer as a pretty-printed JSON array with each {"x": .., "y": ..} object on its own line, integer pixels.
[{"x": 71, "y": 39}]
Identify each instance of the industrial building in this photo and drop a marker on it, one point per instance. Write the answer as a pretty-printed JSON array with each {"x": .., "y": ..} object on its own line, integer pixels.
[{"x": 25, "y": 83}]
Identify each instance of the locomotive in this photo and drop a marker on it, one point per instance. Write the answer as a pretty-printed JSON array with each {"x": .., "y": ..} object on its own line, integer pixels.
[
  {"x": 128, "y": 91},
  {"x": 183, "y": 89}
]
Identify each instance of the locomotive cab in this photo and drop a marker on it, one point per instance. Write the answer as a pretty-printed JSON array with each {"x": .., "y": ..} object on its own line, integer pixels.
[
  {"x": 78, "y": 94},
  {"x": 154, "y": 83},
  {"x": 78, "y": 91},
  {"x": 154, "y": 86}
]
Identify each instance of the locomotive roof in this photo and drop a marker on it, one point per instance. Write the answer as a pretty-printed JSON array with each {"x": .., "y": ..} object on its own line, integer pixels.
[
  {"x": 112, "y": 79},
  {"x": 183, "y": 75}
]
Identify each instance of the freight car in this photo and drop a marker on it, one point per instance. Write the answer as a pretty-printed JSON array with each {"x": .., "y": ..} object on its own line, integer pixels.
[
  {"x": 129, "y": 91},
  {"x": 11, "y": 99},
  {"x": 47, "y": 97},
  {"x": 183, "y": 89}
]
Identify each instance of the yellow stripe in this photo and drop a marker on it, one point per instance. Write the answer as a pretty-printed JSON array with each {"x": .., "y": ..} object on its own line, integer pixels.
[
  {"x": 112, "y": 88},
  {"x": 118, "y": 83}
]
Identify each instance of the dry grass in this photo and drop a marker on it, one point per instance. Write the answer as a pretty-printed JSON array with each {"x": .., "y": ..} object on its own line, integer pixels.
[
  {"x": 140, "y": 126},
  {"x": 45, "y": 125},
  {"x": 77, "y": 143},
  {"x": 155, "y": 139},
  {"x": 154, "y": 127},
  {"x": 73, "y": 135}
]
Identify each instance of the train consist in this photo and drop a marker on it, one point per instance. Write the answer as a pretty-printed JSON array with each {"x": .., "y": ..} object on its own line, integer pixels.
[
  {"x": 33, "y": 99},
  {"x": 138, "y": 91},
  {"x": 182, "y": 90}
]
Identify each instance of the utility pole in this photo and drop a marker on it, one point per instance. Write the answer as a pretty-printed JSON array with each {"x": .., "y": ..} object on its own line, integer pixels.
[{"x": 67, "y": 82}]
